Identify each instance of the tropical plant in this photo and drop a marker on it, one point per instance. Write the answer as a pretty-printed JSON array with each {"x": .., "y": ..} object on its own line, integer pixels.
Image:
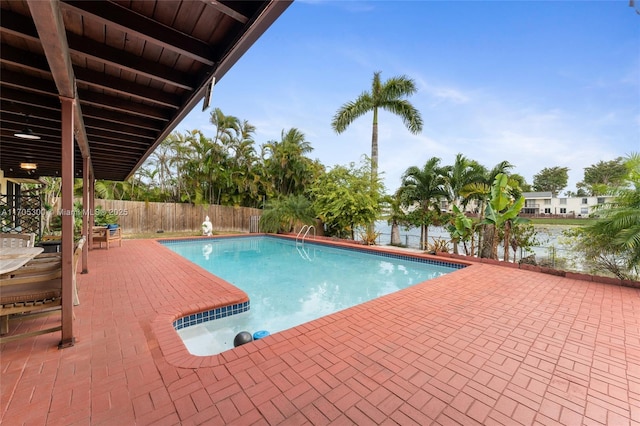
[
  {"x": 51, "y": 192},
  {"x": 285, "y": 162},
  {"x": 103, "y": 217},
  {"x": 439, "y": 245},
  {"x": 345, "y": 200},
  {"x": 502, "y": 212},
  {"x": 395, "y": 216},
  {"x": 389, "y": 96},
  {"x": 462, "y": 230},
  {"x": 463, "y": 172},
  {"x": 422, "y": 191},
  {"x": 282, "y": 214},
  {"x": 480, "y": 191},
  {"x": 523, "y": 236},
  {"x": 369, "y": 237},
  {"x": 613, "y": 242}
]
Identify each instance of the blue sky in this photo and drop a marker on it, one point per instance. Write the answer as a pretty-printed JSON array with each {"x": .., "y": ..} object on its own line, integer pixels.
[{"x": 537, "y": 83}]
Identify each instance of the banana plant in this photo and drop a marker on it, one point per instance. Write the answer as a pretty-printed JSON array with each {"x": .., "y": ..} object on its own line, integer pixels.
[
  {"x": 502, "y": 211},
  {"x": 462, "y": 229}
]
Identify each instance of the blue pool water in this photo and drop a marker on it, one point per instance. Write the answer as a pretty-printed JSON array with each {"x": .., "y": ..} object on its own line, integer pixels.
[{"x": 289, "y": 284}]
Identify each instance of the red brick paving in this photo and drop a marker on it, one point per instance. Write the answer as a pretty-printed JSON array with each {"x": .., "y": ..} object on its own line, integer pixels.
[{"x": 484, "y": 345}]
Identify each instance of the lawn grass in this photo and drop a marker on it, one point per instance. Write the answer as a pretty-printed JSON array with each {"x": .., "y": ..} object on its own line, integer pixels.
[{"x": 556, "y": 221}]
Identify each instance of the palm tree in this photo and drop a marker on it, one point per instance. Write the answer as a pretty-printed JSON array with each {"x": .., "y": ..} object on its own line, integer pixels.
[
  {"x": 480, "y": 190},
  {"x": 463, "y": 172},
  {"x": 388, "y": 96},
  {"x": 395, "y": 216},
  {"x": 424, "y": 189},
  {"x": 226, "y": 125},
  {"x": 161, "y": 159},
  {"x": 617, "y": 231},
  {"x": 287, "y": 164},
  {"x": 282, "y": 214}
]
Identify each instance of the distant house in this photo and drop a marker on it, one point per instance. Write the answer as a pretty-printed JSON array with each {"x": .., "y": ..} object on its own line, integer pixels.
[{"x": 544, "y": 203}]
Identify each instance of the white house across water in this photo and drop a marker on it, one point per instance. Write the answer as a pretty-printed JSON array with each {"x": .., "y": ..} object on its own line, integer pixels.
[{"x": 544, "y": 203}]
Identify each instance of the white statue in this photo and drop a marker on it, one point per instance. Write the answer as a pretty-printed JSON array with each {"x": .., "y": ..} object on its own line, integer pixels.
[{"x": 207, "y": 227}]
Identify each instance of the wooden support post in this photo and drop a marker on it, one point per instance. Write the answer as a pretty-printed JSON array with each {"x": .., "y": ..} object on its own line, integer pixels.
[
  {"x": 92, "y": 206},
  {"x": 67, "y": 245},
  {"x": 87, "y": 216}
]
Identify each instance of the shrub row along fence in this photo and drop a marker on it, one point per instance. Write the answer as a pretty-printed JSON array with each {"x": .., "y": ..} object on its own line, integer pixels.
[{"x": 137, "y": 217}]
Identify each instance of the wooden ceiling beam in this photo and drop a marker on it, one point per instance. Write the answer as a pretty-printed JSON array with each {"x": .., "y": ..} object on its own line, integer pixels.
[
  {"x": 125, "y": 61},
  {"x": 112, "y": 84},
  {"x": 47, "y": 18},
  {"x": 124, "y": 106},
  {"x": 135, "y": 24},
  {"x": 118, "y": 118},
  {"x": 18, "y": 25},
  {"x": 30, "y": 99},
  {"x": 97, "y": 123},
  {"x": 23, "y": 59},
  {"x": 220, "y": 7},
  {"x": 22, "y": 81},
  {"x": 106, "y": 135}
]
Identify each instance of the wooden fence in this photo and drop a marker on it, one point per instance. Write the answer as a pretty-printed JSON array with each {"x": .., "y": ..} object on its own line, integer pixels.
[{"x": 136, "y": 217}]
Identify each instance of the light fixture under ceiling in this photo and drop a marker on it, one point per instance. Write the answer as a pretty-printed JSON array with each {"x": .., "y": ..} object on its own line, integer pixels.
[
  {"x": 26, "y": 133},
  {"x": 28, "y": 166}
]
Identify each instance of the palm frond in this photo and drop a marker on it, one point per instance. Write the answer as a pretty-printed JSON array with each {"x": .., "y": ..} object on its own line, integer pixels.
[
  {"x": 408, "y": 113},
  {"x": 350, "y": 111}
]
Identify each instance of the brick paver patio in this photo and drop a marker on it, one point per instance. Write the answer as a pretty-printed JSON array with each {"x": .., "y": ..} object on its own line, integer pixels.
[{"x": 484, "y": 345}]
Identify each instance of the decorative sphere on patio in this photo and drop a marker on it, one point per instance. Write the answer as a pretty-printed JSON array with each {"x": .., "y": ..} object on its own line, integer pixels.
[{"x": 242, "y": 338}]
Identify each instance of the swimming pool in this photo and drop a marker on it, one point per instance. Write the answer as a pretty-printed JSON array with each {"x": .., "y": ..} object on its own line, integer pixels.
[{"x": 289, "y": 284}]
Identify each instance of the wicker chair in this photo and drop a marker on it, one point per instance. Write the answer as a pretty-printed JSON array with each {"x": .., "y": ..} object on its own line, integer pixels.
[{"x": 34, "y": 290}]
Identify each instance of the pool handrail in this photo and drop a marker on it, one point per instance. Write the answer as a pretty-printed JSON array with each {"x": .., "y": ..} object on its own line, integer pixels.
[{"x": 306, "y": 228}]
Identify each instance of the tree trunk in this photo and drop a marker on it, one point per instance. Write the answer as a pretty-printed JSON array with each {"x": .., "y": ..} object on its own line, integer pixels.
[
  {"x": 488, "y": 236},
  {"x": 395, "y": 234},
  {"x": 424, "y": 237},
  {"x": 374, "y": 161},
  {"x": 507, "y": 235}
]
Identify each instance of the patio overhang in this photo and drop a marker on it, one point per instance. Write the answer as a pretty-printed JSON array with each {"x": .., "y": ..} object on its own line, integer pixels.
[
  {"x": 134, "y": 68},
  {"x": 113, "y": 78}
]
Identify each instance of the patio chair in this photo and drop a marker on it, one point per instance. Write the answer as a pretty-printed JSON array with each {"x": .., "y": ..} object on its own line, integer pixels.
[
  {"x": 10, "y": 240},
  {"x": 106, "y": 235},
  {"x": 34, "y": 290}
]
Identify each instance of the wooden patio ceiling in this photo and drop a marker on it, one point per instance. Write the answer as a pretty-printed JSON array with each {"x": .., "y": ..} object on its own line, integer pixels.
[{"x": 135, "y": 68}]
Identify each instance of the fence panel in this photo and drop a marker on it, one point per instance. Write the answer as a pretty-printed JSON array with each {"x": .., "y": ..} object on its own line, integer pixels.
[{"x": 137, "y": 217}]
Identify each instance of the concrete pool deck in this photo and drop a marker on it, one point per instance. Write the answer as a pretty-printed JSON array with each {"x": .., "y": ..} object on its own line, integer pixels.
[{"x": 484, "y": 345}]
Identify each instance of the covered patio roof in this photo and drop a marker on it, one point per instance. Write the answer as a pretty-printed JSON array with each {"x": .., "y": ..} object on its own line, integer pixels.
[{"x": 134, "y": 68}]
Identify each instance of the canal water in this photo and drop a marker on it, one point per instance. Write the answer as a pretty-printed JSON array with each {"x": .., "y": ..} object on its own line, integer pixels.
[{"x": 551, "y": 247}]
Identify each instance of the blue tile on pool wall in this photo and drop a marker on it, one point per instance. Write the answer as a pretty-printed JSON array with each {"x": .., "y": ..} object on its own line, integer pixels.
[{"x": 210, "y": 315}]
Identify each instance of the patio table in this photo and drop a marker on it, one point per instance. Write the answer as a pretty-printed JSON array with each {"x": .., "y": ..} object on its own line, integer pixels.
[{"x": 12, "y": 258}]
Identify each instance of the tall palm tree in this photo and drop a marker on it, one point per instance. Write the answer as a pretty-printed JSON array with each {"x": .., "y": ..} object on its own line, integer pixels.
[{"x": 389, "y": 96}]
